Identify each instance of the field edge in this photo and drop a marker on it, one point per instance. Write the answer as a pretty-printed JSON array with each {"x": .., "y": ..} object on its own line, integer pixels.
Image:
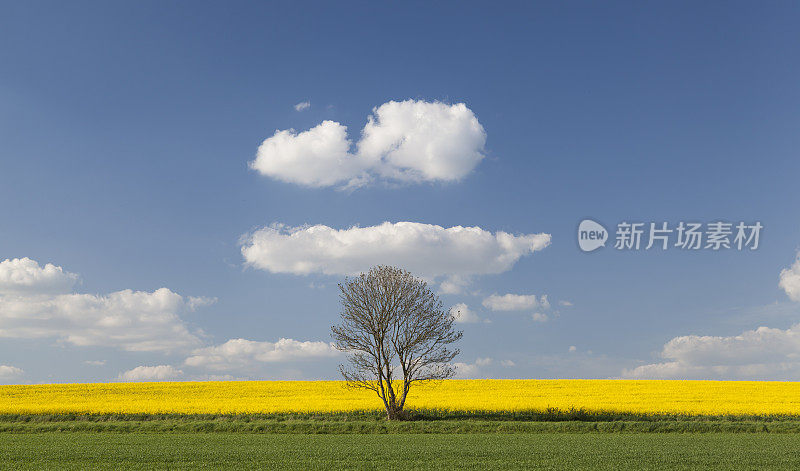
[{"x": 371, "y": 422}]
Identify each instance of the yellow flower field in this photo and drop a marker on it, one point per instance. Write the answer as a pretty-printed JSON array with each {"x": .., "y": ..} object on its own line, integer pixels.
[{"x": 252, "y": 397}]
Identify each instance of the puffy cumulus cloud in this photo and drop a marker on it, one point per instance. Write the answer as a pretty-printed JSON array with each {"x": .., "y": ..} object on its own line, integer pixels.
[
  {"x": 8, "y": 372},
  {"x": 130, "y": 320},
  {"x": 790, "y": 280},
  {"x": 515, "y": 302},
  {"x": 763, "y": 353},
  {"x": 316, "y": 158},
  {"x": 302, "y": 106},
  {"x": 241, "y": 353},
  {"x": 406, "y": 142},
  {"x": 151, "y": 373},
  {"x": 426, "y": 250},
  {"x": 417, "y": 141},
  {"x": 462, "y": 314},
  {"x": 26, "y": 276}
]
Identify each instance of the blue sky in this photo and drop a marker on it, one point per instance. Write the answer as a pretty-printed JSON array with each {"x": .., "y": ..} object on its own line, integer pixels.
[{"x": 127, "y": 132}]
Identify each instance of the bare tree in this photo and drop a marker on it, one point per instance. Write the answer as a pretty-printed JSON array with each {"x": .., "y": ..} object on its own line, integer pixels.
[{"x": 395, "y": 333}]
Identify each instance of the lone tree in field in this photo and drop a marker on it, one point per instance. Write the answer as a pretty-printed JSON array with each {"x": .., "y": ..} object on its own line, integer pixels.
[{"x": 395, "y": 333}]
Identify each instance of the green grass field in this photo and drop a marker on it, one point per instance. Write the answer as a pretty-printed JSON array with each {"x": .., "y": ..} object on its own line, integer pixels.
[
  {"x": 82, "y": 450},
  {"x": 374, "y": 423},
  {"x": 366, "y": 441}
]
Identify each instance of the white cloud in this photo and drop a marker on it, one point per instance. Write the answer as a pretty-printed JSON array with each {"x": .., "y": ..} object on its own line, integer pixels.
[
  {"x": 407, "y": 142},
  {"x": 479, "y": 368},
  {"x": 426, "y": 250},
  {"x": 20, "y": 276},
  {"x": 303, "y": 105},
  {"x": 419, "y": 141},
  {"x": 454, "y": 284},
  {"x": 466, "y": 370},
  {"x": 790, "y": 280},
  {"x": 316, "y": 158},
  {"x": 520, "y": 302},
  {"x": 8, "y": 372},
  {"x": 515, "y": 302},
  {"x": 241, "y": 353},
  {"x": 472, "y": 370},
  {"x": 130, "y": 320},
  {"x": 763, "y": 353},
  {"x": 565, "y": 303},
  {"x": 573, "y": 349},
  {"x": 463, "y": 314},
  {"x": 151, "y": 373},
  {"x": 95, "y": 362}
]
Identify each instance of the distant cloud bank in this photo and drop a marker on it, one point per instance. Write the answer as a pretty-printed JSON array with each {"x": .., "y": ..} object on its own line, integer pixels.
[
  {"x": 763, "y": 353},
  {"x": 36, "y": 302},
  {"x": 151, "y": 373},
  {"x": 242, "y": 353},
  {"x": 8, "y": 372}
]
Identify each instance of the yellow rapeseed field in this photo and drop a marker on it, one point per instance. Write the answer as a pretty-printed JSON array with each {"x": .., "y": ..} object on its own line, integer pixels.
[{"x": 253, "y": 397}]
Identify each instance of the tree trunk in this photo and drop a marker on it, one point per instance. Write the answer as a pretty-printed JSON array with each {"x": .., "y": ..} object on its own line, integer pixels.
[{"x": 395, "y": 412}]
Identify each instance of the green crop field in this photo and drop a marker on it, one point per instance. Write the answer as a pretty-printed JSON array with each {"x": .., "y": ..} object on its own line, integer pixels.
[
  {"x": 82, "y": 450},
  {"x": 366, "y": 441}
]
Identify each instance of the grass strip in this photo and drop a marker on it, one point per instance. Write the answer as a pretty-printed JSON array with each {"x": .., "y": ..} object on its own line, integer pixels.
[
  {"x": 453, "y": 426},
  {"x": 172, "y": 451},
  {"x": 422, "y": 422}
]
